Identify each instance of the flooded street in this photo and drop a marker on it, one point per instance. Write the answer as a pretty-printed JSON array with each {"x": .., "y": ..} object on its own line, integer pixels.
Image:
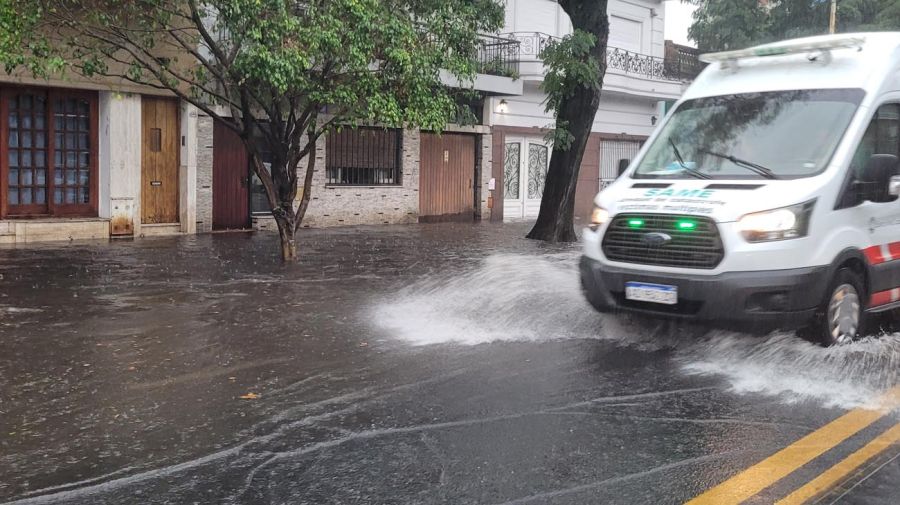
[{"x": 426, "y": 364}]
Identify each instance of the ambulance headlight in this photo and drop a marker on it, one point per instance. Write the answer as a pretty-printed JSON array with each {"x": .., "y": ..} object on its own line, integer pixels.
[
  {"x": 777, "y": 224},
  {"x": 598, "y": 218}
]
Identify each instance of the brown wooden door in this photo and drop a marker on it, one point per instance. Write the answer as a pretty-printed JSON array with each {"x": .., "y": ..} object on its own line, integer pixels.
[
  {"x": 159, "y": 160},
  {"x": 231, "y": 197},
  {"x": 446, "y": 176}
]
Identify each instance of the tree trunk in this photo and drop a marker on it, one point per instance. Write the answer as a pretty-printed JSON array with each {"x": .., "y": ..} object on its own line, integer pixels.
[
  {"x": 287, "y": 230},
  {"x": 281, "y": 189},
  {"x": 555, "y": 222}
]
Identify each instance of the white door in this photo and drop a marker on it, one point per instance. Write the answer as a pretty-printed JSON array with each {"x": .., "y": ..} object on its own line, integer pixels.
[{"x": 525, "y": 165}]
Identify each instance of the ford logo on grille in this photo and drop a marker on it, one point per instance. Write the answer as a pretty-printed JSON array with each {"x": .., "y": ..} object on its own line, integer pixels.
[{"x": 655, "y": 239}]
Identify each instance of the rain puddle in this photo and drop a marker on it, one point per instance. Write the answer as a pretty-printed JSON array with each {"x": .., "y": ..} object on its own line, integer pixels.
[{"x": 513, "y": 297}]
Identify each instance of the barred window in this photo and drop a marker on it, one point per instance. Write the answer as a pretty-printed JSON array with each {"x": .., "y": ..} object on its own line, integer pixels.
[{"x": 363, "y": 157}]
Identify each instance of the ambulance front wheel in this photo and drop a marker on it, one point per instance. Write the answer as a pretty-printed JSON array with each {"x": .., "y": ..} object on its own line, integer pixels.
[{"x": 841, "y": 318}]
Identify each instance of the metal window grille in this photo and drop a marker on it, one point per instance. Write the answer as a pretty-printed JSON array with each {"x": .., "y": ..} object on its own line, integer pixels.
[
  {"x": 614, "y": 154},
  {"x": 363, "y": 157}
]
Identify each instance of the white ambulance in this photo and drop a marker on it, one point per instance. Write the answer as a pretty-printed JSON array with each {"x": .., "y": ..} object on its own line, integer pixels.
[{"x": 767, "y": 198}]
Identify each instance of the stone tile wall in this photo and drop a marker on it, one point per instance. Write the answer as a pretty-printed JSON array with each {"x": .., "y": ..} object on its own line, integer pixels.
[{"x": 204, "y": 172}]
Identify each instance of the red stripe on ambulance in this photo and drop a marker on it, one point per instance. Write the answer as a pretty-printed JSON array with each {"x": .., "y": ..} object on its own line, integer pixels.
[
  {"x": 878, "y": 254},
  {"x": 894, "y": 248},
  {"x": 884, "y": 297}
]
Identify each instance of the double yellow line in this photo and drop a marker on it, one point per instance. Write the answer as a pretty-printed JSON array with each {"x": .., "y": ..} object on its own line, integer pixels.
[{"x": 779, "y": 465}]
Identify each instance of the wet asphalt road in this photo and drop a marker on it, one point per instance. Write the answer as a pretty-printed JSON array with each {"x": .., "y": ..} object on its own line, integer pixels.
[{"x": 421, "y": 364}]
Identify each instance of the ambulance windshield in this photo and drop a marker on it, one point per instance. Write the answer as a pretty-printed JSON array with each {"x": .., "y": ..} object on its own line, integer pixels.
[{"x": 774, "y": 135}]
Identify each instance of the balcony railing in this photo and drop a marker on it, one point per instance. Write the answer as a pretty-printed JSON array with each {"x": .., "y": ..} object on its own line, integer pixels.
[
  {"x": 683, "y": 62},
  {"x": 498, "y": 56},
  {"x": 531, "y": 45}
]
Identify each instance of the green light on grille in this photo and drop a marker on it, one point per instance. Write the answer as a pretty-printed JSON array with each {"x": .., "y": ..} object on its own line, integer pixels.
[
  {"x": 635, "y": 223},
  {"x": 686, "y": 225}
]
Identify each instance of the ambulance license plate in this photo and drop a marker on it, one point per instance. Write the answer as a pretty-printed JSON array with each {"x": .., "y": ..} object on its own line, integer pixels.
[{"x": 653, "y": 293}]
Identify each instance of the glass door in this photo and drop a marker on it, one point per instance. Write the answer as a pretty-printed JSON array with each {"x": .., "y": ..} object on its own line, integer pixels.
[
  {"x": 512, "y": 179},
  {"x": 536, "y": 174},
  {"x": 525, "y": 163}
]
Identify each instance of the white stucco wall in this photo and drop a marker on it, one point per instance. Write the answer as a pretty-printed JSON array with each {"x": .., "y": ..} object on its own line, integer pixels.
[
  {"x": 617, "y": 113},
  {"x": 187, "y": 172},
  {"x": 635, "y": 25},
  {"x": 120, "y": 158}
]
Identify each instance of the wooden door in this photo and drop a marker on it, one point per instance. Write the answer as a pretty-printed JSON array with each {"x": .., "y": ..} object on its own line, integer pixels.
[
  {"x": 446, "y": 177},
  {"x": 231, "y": 194},
  {"x": 159, "y": 160}
]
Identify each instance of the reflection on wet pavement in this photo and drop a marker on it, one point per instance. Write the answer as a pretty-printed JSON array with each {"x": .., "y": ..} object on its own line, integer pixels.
[{"x": 419, "y": 364}]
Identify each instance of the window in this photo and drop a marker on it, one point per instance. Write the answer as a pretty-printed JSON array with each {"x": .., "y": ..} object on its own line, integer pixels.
[
  {"x": 48, "y": 153},
  {"x": 881, "y": 137},
  {"x": 363, "y": 157},
  {"x": 791, "y": 133},
  {"x": 259, "y": 201}
]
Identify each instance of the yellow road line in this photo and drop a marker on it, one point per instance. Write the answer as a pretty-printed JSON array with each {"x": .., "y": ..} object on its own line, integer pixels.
[
  {"x": 777, "y": 466},
  {"x": 838, "y": 472}
]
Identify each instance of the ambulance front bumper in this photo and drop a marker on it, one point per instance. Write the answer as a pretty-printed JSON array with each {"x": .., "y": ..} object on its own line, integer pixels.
[{"x": 749, "y": 301}]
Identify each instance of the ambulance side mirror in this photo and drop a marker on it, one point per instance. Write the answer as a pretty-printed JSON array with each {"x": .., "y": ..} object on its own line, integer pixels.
[
  {"x": 875, "y": 183},
  {"x": 894, "y": 186}
]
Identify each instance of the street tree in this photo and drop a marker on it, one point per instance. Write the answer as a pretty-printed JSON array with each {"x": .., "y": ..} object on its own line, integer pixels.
[
  {"x": 280, "y": 73},
  {"x": 733, "y": 24},
  {"x": 575, "y": 67},
  {"x": 727, "y": 24}
]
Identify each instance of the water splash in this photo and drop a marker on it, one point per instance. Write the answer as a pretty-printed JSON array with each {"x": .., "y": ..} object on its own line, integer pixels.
[
  {"x": 512, "y": 297},
  {"x": 508, "y": 298},
  {"x": 793, "y": 369}
]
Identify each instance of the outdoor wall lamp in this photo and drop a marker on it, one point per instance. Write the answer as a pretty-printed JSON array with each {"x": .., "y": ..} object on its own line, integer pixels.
[
  {"x": 502, "y": 107},
  {"x": 652, "y": 120}
]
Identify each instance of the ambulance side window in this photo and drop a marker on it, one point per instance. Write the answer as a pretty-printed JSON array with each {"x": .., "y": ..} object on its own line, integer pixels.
[{"x": 882, "y": 137}]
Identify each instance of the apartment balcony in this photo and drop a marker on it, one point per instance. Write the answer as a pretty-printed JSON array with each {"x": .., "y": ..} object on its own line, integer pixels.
[
  {"x": 498, "y": 68},
  {"x": 682, "y": 62},
  {"x": 627, "y": 72}
]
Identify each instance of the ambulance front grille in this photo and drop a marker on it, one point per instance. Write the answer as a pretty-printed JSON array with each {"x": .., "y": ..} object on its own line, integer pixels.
[{"x": 664, "y": 240}]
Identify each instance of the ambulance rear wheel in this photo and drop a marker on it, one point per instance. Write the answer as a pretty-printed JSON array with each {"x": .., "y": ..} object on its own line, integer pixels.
[{"x": 841, "y": 318}]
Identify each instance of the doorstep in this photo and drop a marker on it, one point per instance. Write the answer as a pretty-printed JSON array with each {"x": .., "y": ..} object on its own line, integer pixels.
[{"x": 160, "y": 230}]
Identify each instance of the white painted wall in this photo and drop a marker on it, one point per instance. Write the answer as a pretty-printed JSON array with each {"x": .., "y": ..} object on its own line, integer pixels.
[
  {"x": 120, "y": 156},
  {"x": 187, "y": 172},
  {"x": 618, "y": 113},
  {"x": 635, "y": 25}
]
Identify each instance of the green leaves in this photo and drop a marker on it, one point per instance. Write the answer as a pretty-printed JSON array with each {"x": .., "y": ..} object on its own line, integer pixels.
[
  {"x": 570, "y": 65},
  {"x": 735, "y": 24},
  {"x": 363, "y": 60}
]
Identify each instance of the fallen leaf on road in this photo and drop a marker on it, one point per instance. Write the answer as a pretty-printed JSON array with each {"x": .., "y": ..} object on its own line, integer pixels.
[{"x": 249, "y": 396}]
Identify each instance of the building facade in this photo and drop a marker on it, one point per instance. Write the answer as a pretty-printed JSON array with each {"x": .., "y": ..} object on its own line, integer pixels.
[
  {"x": 94, "y": 159},
  {"x": 100, "y": 159},
  {"x": 643, "y": 72}
]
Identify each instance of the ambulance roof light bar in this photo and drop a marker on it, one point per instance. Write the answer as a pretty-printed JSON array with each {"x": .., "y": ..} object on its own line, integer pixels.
[{"x": 786, "y": 48}]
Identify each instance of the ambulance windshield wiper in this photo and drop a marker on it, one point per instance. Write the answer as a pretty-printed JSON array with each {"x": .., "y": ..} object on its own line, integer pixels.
[
  {"x": 693, "y": 171},
  {"x": 755, "y": 167}
]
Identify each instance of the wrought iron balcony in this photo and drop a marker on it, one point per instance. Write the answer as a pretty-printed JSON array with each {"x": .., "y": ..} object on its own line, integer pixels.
[
  {"x": 532, "y": 44},
  {"x": 683, "y": 62},
  {"x": 498, "y": 56}
]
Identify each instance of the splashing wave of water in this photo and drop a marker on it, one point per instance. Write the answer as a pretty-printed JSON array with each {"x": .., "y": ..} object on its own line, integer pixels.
[{"x": 513, "y": 297}]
